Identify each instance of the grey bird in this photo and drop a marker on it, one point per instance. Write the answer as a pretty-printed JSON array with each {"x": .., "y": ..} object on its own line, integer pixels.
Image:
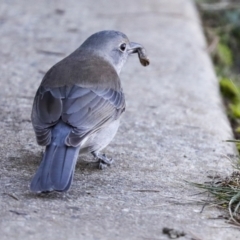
[{"x": 78, "y": 105}]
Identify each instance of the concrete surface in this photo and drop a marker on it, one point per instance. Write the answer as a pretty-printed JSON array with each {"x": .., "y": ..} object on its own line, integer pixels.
[{"x": 172, "y": 130}]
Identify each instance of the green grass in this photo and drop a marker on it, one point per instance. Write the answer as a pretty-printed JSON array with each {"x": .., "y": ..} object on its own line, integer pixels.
[
  {"x": 222, "y": 29},
  {"x": 225, "y": 192}
]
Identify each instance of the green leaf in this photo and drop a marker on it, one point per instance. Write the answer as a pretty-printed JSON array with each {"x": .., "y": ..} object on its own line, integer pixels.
[{"x": 224, "y": 55}]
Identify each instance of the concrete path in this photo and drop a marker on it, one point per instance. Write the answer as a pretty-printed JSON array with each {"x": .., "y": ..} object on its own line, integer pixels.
[{"x": 172, "y": 130}]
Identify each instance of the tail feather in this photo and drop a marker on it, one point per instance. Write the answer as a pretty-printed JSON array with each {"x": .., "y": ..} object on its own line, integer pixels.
[
  {"x": 56, "y": 170},
  {"x": 69, "y": 184},
  {"x": 63, "y": 166}
]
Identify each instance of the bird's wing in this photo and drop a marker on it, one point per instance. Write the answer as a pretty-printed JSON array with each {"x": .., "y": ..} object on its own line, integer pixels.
[{"x": 85, "y": 109}]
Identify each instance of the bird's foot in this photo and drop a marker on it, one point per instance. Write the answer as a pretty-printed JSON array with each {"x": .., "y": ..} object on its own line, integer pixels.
[{"x": 103, "y": 160}]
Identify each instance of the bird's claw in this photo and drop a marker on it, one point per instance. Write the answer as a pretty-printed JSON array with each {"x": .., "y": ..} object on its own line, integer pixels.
[{"x": 103, "y": 161}]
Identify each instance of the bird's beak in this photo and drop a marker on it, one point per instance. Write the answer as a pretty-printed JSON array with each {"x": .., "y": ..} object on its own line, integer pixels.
[
  {"x": 134, "y": 47},
  {"x": 138, "y": 48}
]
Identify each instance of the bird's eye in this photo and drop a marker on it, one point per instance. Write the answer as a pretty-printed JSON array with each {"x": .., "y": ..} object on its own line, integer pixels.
[{"x": 123, "y": 47}]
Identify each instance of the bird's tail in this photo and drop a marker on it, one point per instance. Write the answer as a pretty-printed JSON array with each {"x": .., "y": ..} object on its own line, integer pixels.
[{"x": 56, "y": 170}]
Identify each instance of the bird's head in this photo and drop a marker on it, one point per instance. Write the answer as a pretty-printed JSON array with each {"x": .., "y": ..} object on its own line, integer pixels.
[{"x": 114, "y": 47}]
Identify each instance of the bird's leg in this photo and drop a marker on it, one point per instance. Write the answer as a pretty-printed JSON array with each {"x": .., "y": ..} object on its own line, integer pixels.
[{"x": 103, "y": 160}]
